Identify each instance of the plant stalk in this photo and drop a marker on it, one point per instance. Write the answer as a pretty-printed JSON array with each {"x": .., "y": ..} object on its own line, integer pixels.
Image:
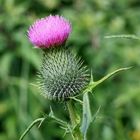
[{"x": 77, "y": 135}]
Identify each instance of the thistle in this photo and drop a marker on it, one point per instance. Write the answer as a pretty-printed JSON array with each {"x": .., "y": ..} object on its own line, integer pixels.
[
  {"x": 62, "y": 75},
  {"x": 49, "y": 31}
]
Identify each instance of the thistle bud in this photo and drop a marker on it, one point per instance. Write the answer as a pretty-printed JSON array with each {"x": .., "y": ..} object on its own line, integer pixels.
[{"x": 62, "y": 74}]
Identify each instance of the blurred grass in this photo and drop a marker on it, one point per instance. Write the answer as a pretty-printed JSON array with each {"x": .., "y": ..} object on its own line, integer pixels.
[{"x": 20, "y": 102}]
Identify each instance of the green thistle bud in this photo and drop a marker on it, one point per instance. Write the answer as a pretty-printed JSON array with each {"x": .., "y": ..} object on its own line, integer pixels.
[{"x": 62, "y": 74}]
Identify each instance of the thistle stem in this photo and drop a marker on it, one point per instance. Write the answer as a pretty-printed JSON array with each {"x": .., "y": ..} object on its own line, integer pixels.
[{"x": 74, "y": 121}]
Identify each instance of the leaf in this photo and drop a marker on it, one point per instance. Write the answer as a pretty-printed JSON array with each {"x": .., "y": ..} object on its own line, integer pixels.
[
  {"x": 5, "y": 64},
  {"x": 87, "y": 117},
  {"x": 123, "y": 36},
  {"x": 93, "y": 84},
  {"x": 39, "y": 120},
  {"x": 33, "y": 58},
  {"x": 59, "y": 121},
  {"x": 130, "y": 95},
  {"x": 96, "y": 114}
]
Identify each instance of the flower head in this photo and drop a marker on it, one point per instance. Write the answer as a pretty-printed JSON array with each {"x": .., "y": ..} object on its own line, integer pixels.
[
  {"x": 49, "y": 31},
  {"x": 62, "y": 74}
]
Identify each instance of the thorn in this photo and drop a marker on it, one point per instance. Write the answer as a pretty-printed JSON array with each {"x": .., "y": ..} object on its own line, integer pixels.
[{"x": 91, "y": 78}]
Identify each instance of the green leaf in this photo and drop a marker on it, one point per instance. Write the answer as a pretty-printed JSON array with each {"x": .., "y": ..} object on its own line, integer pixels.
[
  {"x": 87, "y": 117},
  {"x": 59, "y": 121},
  {"x": 130, "y": 95},
  {"x": 96, "y": 114},
  {"x": 123, "y": 36},
  {"x": 93, "y": 84},
  {"x": 33, "y": 58},
  {"x": 5, "y": 64},
  {"x": 39, "y": 120}
]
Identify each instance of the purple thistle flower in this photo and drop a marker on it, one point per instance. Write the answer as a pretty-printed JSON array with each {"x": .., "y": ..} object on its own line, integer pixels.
[{"x": 49, "y": 31}]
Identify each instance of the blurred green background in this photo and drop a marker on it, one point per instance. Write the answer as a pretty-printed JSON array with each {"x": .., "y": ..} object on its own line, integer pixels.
[{"x": 119, "y": 97}]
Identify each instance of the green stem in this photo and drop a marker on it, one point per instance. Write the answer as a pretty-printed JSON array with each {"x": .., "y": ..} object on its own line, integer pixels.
[
  {"x": 74, "y": 121},
  {"x": 31, "y": 125}
]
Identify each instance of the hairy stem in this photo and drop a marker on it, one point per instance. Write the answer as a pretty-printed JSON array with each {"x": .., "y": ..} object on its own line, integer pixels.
[{"x": 74, "y": 121}]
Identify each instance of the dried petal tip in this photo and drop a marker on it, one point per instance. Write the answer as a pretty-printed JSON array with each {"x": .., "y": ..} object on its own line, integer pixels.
[{"x": 49, "y": 31}]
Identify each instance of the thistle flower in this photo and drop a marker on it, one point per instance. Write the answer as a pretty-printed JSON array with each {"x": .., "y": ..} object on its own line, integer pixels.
[
  {"x": 62, "y": 75},
  {"x": 49, "y": 31}
]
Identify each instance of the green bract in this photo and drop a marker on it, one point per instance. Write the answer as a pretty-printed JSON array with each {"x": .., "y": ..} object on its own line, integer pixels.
[{"x": 62, "y": 74}]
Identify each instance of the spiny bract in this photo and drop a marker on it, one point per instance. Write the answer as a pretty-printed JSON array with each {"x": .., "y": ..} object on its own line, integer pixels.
[{"x": 62, "y": 74}]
